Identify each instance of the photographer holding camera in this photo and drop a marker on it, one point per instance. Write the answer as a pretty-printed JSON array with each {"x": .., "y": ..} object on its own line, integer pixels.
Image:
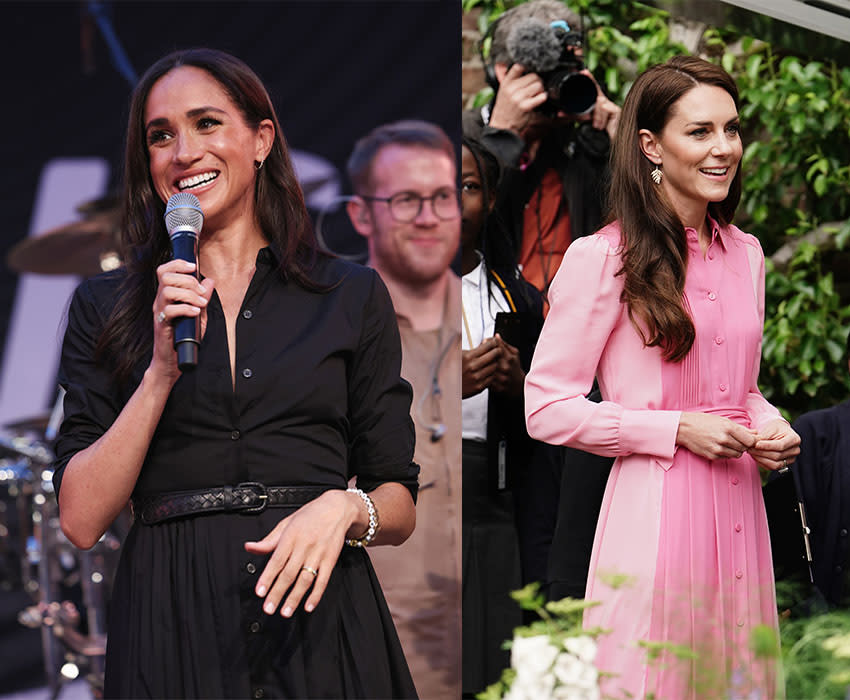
[{"x": 550, "y": 126}]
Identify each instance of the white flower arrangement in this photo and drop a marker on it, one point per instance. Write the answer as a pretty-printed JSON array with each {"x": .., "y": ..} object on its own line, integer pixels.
[
  {"x": 552, "y": 658},
  {"x": 546, "y": 669}
]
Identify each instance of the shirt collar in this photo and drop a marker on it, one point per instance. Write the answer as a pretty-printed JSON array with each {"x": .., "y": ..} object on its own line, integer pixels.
[
  {"x": 716, "y": 233},
  {"x": 452, "y": 306},
  {"x": 269, "y": 255},
  {"x": 473, "y": 277}
]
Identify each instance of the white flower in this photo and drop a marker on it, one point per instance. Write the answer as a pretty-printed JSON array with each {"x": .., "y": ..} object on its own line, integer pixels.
[
  {"x": 532, "y": 659},
  {"x": 583, "y": 647},
  {"x": 545, "y": 673},
  {"x": 568, "y": 693},
  {"x": 532, "y": 656},
  {"x": 575, "y": 674},
  {"x": 532, "y": 688}
]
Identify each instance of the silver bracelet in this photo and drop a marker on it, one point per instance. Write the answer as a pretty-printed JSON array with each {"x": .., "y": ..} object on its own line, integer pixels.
[{"x": 372, "y": 530}]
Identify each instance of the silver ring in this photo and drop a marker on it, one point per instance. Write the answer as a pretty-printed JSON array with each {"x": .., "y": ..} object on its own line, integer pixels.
[
  {"x": 161, "y": 317},
  {"x": 784, "y": 463},
  {"x": 310, "y": 570}
]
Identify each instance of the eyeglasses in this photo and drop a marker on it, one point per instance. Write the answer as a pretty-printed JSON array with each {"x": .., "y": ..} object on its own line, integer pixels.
[{"x": 406, "y": 206}]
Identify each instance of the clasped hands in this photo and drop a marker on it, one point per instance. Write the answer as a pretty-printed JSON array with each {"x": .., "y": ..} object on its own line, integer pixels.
[
  {"x": 494, "y": 365},
  {"x": 716, "y": 437},
  {"x": 304, "y": 549}
]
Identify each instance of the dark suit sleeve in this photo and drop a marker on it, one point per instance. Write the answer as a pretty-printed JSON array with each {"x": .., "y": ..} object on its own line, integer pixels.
[{"x": 810, "y": 468}]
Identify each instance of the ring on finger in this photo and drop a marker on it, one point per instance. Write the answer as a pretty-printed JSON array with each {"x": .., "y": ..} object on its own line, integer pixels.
[
  {"x": 161, "y": 317},
  {"x": 784, "y": 463},
  {"x": 310, "y": 570}
]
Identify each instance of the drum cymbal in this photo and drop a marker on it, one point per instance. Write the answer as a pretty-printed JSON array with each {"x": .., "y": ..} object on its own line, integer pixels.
[
  {"x": 36, "y": 424},
  {"x": 83, "y": 247},
  {"x": 107, "y": 203}
]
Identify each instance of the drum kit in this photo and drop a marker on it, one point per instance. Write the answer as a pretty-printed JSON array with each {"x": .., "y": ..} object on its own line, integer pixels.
[{"x": 69, "y": 588}]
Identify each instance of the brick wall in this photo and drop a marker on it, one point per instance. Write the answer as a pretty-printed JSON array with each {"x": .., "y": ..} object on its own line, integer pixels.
[{"x": 472, "y": 72}]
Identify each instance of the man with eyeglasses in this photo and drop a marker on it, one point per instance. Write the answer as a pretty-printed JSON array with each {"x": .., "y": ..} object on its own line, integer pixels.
[{"x": 406, "y": 204}]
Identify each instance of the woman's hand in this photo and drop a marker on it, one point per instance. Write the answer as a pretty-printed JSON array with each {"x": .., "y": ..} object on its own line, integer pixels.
[
  {"x": 478, "y": 367},
  {"x": 179, "y": 294},
  {"x": 307, "y": 541},
  {"x": 777, "y": 444},
  {"x": 509, "y": 377},
  {"x": 714, "y": 437}
]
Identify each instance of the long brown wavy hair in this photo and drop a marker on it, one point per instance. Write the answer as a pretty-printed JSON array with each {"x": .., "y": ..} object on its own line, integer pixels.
[
  {"x": 653, "y": 237},
  {"x": 278, "y": 199}
]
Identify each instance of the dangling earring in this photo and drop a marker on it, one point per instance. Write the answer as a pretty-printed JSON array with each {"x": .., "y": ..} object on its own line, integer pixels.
[
  {"x": 656, "y": 175},
  {"x": 259, "y": 164}
]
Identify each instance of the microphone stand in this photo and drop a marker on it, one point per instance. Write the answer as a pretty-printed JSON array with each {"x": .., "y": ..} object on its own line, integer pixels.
[{"x": 120, "y": 60}]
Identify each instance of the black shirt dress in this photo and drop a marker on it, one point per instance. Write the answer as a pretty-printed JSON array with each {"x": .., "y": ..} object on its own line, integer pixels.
[{"x": 317, "y": 399}]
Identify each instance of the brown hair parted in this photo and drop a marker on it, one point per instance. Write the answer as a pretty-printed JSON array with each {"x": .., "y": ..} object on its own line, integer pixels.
[
  {"x": 653, "y": 237},
  {"x": 279, "y": 204},
  {"x": 409, "y": 132}
]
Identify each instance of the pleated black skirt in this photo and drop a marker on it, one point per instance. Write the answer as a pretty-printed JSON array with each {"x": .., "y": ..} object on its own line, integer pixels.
[{"x": 184, "y": 621}]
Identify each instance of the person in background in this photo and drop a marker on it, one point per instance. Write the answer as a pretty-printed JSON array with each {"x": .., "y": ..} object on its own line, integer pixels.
[
  {"x": 822, "y": 475},
  {"x": 405, "y": 203},
  {"x": 665, "y": 306},
  {"x": 245, "y": 572},
  {"x": 496, "y": 446},
  {"x": 552, "y": 193}
]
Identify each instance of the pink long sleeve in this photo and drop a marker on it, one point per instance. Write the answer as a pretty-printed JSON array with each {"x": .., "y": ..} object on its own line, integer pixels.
[
  {"x": 587, "y": 331},
  {"x": 757, "y": 407}
]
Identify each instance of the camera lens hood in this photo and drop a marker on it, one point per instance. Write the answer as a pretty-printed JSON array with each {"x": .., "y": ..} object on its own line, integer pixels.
[{"x": 571, "y": 92}]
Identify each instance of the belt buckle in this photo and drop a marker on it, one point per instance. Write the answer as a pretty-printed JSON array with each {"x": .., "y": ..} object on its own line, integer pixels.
[{"x": 261, "y": 493}]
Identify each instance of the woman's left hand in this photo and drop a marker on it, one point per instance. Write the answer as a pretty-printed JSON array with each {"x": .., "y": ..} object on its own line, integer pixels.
[
  {"x": 304, "y": 549},
  {"x": 777, "y": 444}
]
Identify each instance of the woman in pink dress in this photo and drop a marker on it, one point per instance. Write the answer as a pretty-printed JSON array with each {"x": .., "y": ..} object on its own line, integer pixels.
[{"x": 665, "y": 307}]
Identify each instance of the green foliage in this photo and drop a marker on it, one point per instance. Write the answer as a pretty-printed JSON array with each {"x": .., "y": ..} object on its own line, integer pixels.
[
  {"x": 815, "y": 656},
  {"x": 815, "y": 650},
  {"x": 795, "y": 115},
  {"x": 558, "y": 620},
  {"x": 803, "y": 363},
  {"x": 797, "y": 166}
]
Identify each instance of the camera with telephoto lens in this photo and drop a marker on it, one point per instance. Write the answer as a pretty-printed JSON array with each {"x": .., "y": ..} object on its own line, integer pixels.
[{"x": 551, "y": 51}]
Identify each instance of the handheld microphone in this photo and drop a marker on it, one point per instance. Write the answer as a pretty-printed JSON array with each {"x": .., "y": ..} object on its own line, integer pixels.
[{"x": 183, "y": 221}]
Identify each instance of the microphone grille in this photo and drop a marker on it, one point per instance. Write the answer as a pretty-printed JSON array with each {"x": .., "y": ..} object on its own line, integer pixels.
[
  {"x": 183, "y": 210},
  {"x": 532, "y": 43}
]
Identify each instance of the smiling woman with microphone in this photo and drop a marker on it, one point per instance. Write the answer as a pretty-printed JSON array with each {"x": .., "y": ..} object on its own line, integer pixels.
[{"x": 245, "y": 573}]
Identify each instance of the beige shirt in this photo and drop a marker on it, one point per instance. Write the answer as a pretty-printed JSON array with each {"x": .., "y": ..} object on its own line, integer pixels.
[{"x": 421, "y": 579}]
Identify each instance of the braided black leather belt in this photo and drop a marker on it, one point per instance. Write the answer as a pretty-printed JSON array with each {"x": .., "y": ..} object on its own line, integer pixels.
[{"x": 247, "y": 497}]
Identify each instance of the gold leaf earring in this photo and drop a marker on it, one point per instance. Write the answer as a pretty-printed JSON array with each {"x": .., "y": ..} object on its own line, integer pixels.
[{"x": 656, "y": 175}]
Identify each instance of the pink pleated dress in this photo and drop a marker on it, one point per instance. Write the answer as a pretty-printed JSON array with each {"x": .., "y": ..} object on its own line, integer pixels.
[{"x": 682, "y": 550}]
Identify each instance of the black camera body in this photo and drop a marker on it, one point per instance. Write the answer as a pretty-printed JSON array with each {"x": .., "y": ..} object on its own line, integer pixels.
[
  {"x": 552, "y": 51},
  {"x": 568, "y": 88}
]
